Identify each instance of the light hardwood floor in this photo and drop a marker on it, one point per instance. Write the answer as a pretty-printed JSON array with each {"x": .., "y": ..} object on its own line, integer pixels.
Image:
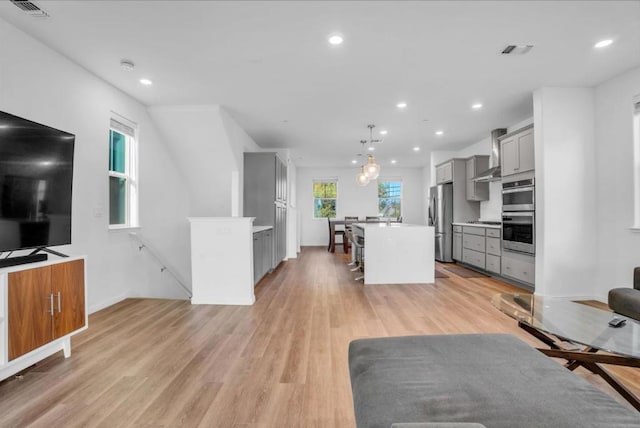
[{"x": 279, "y": 363}]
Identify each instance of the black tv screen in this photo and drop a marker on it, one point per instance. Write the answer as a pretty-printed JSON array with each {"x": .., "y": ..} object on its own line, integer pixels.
[{"x": 36, "y": 177}]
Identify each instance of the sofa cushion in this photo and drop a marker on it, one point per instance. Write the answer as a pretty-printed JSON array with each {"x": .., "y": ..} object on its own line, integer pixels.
[
  {"x": 625, "y": 301},
  {"x": 493, "y": 379}
]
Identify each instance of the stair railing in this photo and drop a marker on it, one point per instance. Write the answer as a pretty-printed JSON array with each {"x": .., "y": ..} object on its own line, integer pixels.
[{"x": 142, "y": 244}]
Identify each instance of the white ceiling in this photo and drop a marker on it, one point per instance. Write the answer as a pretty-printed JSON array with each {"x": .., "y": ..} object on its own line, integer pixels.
[{"x": 270, "y": 65}]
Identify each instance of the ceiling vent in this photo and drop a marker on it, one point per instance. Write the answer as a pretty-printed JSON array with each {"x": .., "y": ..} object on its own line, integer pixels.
[
  {"x": 516, "y": 49},
  {"x": 30, "y": 8}
]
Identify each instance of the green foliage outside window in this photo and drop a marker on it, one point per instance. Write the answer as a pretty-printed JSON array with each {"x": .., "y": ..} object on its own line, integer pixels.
[
  {"x": 325, "y": 194},
  {"x": 389, "y": 198}
]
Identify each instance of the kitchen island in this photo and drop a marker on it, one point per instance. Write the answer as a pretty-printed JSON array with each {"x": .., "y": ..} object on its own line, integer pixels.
[{"x": 397, "y": 253}]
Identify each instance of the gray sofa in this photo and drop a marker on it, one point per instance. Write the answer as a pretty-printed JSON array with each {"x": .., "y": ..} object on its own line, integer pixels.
[
  {"x": 491, "y": 379},
  {"x": 626, "y": 301}
]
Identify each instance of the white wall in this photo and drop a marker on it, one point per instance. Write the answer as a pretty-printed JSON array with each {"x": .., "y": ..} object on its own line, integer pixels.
[
  {"x": 618, "y": 247},
  {"x": 354, "y": 200},
  {"x": 41, "y": 85},
  {"x": 566, "y": 173}
]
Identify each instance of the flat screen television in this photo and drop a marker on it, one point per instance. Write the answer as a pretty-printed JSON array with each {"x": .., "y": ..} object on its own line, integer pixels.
[{"x": 36, "y": 178}]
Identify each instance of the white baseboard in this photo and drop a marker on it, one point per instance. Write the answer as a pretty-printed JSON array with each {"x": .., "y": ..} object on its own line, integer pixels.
[{"x": 109, "y": 302}]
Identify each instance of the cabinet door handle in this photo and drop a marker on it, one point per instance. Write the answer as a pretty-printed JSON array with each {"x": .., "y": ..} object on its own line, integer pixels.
[
  {"x": 59, "y": 303},
  {"x": 51, "y": 304}
]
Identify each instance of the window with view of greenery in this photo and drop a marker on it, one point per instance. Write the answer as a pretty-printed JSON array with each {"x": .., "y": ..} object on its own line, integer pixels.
[
  {"x": 325, "y": 195},
  {"x": 123, "y": 195},
  {"x": 389, "y": 198}
]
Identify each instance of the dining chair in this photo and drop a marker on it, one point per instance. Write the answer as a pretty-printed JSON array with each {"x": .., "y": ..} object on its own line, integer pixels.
[
  {"x": 337, "y": 232},
  {"x": 371, "y": 219}
]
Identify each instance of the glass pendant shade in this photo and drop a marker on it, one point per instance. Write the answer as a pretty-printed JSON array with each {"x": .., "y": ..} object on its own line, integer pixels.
[
  {"x": 362, "y": 178},
  {"x": 372, "y": 169}
]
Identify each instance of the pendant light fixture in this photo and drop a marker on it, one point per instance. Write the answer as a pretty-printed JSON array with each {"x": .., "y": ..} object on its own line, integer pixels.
[
  {"x": 362, "y": 178},
  {"x": 372, "y": 169}
]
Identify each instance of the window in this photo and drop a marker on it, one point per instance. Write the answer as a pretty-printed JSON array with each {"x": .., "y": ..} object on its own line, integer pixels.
[
  {"x": 325, "y": 195},
  {"x": 123, "y": 192},
  {"x": 390, "y": 198}
]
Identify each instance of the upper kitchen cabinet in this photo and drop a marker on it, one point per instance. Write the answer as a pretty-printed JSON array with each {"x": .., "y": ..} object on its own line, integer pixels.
[
  {"x": 517, "y": 151},
  {"x": 454, "y": 171},
  {"x": 444, "y": 172},
  {"x": 477, "y": 191}
]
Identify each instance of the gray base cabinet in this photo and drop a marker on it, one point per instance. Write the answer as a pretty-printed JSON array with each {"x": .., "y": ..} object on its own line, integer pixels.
[
  {"x": 521, "y": 267},
  {"x": 457, "y": 243},
  {"x": 480, "y": 247},
  {"x": 262, "y": 254}
]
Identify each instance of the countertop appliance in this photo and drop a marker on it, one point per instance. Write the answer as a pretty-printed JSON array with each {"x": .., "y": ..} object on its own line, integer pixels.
[
  {"x": 441, "y": 217},
  {"x": 518, "y": 195}
]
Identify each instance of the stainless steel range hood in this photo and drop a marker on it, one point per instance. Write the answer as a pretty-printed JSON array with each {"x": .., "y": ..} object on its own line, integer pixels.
[{"x": 493, "y": 173}]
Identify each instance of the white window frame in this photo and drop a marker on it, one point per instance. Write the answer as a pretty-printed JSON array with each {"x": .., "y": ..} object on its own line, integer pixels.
[
  {"x": 313, "y": 198},
  {"x": 130, "y": 130},
  {"x": 391, "y": 180}
]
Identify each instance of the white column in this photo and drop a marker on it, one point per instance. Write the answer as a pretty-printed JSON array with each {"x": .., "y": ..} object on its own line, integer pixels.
[{"x": 566, "y": 236}]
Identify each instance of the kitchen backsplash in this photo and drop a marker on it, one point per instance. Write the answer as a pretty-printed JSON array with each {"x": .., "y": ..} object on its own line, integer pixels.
[{"x": 491, "y": 210}]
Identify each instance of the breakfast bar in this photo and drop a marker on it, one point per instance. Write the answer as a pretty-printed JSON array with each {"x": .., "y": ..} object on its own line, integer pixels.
[{"x": 397, "y": 253}]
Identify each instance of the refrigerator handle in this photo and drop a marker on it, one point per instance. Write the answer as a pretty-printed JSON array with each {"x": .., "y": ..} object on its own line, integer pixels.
[
  {"x": 435, "y": 211},
  {"x": 431, "y": 211}
]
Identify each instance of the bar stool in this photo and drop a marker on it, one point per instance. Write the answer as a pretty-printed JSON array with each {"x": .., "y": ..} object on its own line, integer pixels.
[
  {"x": 358, "y": 246},
  {"x": 347, "y": 229}
]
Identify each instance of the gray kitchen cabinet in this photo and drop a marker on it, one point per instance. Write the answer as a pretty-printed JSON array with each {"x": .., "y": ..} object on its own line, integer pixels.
[
  {"x": 265, "y": 198},
  {"x": 262, "y": 254},
  {"x": 493, "y": 263},
  {"x": 257, "y": 256},
  {"x": 493, "y": 246},
  {"x": 457, "y": 246},
  {"x": 473, "y": 246},
  {"x": 454, "y": 171},
  {"x": 477, "y": 191},
  {"x": 444, "y": 172},
  {"x": 518, "y": 153},
  {"x": 480, "y": 247},
  {"x": 519, "y": 266}
]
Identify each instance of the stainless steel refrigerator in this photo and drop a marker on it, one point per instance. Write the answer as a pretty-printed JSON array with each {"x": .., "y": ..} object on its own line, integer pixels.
[{"x": 441, "y": 217}]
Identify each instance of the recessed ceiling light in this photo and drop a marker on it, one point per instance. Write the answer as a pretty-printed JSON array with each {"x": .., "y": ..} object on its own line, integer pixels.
[
  {"x": 401, "y": 105},
  {"x": 476, "y": 106},
  {"x": 383, "y": 132},
  {"x": 336, "y": 39},
  {"x": 146, "y": 82},
  {"x": 393, "y": 161},
  {"x": 416, "y": 149},
  {"x": 371, "y": 148},
  {"x": 439, "y": 132},
  {"x": 354, "y": 161},
  {"x": 603, "y": 43}
]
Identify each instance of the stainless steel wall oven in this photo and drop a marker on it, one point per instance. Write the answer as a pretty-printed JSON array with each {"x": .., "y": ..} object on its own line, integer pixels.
[
  {"x": 519, "y": 231},
  {"x": 518, "y": 195}
]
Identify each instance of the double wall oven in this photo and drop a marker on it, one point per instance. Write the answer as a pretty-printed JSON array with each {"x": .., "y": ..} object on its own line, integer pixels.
[{"x": 518, "y": 216}]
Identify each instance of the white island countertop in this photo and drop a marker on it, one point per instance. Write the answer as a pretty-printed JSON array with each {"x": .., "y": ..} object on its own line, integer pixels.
[{"x": 397, "y": 253}]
